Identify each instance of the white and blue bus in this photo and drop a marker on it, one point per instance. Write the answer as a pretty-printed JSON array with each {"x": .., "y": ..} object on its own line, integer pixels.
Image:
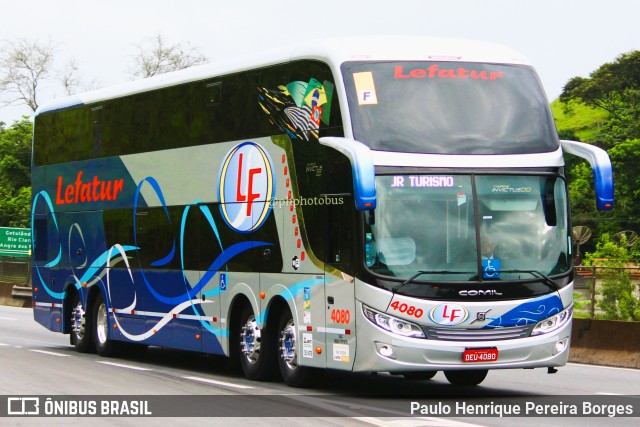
[{"x": 365, "y": 204}]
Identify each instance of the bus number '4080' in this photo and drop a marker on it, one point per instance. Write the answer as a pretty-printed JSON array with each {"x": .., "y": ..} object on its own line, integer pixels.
[
  {"x": 409, "y": 309},
  {"x": 340, "y": 316}
]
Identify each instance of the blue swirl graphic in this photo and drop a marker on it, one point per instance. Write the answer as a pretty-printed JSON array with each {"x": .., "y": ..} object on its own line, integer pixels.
[
  {"x": 530, "y": 312},
  {"x": 99, "y": 267},
  {"x": 56, "y": 260}
]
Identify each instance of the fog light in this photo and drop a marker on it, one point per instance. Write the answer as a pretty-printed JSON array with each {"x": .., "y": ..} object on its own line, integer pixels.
[
  {"x": 560, "y": 346},
  {"x": 385, "y": 350}
]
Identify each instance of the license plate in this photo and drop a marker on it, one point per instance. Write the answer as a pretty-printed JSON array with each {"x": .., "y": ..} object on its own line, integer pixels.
[{"x": 479, "y": 355}]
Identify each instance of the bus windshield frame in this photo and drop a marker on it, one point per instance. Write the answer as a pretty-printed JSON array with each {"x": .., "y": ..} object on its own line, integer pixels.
[{"x": 449, "y": 108}]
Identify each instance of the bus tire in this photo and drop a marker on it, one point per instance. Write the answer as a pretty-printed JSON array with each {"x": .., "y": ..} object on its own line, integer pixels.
[
  {"x": 81, "y": 335},
  {"x": 466, "y": 378},
  {"x": 257, "y": 347},
  {"x": 104, "y": 345},
  {"x": 292, "y": 373}
]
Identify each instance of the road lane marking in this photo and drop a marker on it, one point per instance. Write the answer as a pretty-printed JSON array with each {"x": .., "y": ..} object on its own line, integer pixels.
[
  {"x": 1, "y": 344},
  {"x": 51, "y": 353},
  {"x": 7, "y": 318},
  {"x": 120, "y": 365},
  {"x": 214, "y": 382}
]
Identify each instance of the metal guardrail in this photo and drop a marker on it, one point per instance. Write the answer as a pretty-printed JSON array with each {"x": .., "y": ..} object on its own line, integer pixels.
[
  {"x": 586, "y": 273},
  {"x": 21, "y": 291},
  {"x": 587, "y": 280}
]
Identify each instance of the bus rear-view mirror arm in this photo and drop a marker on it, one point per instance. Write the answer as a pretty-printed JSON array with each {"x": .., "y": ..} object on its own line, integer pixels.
[
  {"x": 602, "y": 170},
  {"x": 364, "y": 174}
]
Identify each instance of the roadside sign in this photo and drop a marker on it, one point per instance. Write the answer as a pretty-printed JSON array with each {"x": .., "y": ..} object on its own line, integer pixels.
[{"x": 15, "y": 241}]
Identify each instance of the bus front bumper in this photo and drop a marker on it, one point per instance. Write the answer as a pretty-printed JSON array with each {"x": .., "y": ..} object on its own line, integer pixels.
[{"x": 382, "y": 351}]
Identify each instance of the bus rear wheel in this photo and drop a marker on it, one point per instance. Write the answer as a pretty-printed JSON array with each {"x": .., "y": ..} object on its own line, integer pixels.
[
  {"x": 466, "y": 378},
  {"x": 293, "y": 374},
  {"x": 256, "y": 347},
  {"x": 81, "y": 328},
  {"x": 105, "y": 346}
]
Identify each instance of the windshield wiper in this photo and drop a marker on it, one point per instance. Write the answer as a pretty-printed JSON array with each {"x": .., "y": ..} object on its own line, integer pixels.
[
  {"x": 395, "y": 289},
  {"x": 535, "y": 273}
]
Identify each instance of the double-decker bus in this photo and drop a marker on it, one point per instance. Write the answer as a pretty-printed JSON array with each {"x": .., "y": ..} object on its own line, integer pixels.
[{"x": 363, "y": 204}]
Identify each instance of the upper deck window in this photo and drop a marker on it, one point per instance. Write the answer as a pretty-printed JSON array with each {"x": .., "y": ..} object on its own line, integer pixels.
[{"x": 449, "y": 108}]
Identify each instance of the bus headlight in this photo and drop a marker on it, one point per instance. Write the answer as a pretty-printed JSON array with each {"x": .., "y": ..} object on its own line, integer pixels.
[
  {"x": 553, "y": 323},
  {"x": 392, "y": 324}
]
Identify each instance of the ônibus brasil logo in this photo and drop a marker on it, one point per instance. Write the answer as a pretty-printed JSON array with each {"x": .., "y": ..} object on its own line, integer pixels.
[
  {"x": 448, "y": 314},
  {"x": 246, "y": 187}
]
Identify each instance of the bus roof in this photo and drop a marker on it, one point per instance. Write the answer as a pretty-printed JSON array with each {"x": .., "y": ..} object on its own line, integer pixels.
[{"x": 333, "y": 51}]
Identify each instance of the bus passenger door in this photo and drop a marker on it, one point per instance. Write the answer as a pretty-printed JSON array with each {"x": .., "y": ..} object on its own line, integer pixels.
[{"x": 339, "y": 283}]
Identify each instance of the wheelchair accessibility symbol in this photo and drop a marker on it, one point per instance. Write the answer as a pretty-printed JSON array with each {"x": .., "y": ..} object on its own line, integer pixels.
[{"x": 491, "y": 268}]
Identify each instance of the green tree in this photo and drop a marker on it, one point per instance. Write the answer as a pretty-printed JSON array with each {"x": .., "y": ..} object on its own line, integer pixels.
[
  {"x": 625, "y": 157},
  {"x": 15, "y": 174},
  {"x": 615, "y": 88},
  {"x": 618, "y": 301}
]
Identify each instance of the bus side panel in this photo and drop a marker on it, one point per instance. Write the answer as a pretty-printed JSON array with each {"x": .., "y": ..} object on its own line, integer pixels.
[
  {"x": 43, "y": 315},
  {"x": 304, "y": 294},
  {"x": 340, "y": 321}
]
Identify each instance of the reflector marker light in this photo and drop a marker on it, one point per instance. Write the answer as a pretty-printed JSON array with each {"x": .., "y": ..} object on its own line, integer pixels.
[{"x": 48, "y": 304}]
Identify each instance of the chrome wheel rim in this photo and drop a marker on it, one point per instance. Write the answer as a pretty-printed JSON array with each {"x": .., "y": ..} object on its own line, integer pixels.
[
  {"x": 288, "y": 345},
  {"x": 250, "y": 337},
  {"x": 78, "y": 319},
  {"x": 102, "y": 324}
]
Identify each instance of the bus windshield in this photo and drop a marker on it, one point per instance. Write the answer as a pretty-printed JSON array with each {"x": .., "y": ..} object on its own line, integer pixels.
[
  {"x": 449, "y": 108},
  {"x": 468, "y": 227}
]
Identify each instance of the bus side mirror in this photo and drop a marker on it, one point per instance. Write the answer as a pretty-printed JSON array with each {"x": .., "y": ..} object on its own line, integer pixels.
[
  {"x": 364, "y": 173},
  {"x": 602, "y": 170}
]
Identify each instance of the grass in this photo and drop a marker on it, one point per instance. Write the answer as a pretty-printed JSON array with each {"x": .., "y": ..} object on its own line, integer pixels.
[{"x": 582, "y": 120}]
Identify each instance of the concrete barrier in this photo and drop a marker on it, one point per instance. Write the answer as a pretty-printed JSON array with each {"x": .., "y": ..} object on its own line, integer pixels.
[{"x": 605, "y": 342}]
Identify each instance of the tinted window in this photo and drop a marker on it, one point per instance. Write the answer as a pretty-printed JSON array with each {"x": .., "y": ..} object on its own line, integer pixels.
[
  {"x": 220, "y": 109},
  {"x": 449, "y": 108}
]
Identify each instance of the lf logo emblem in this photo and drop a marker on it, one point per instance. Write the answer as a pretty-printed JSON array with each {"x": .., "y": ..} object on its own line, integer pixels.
[
  {"x": 246, "y": 187},
  {"x": 448, "y": 314}
]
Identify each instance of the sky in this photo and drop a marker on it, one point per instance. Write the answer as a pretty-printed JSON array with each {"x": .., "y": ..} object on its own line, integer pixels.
[{"x": 562, "y": 38}]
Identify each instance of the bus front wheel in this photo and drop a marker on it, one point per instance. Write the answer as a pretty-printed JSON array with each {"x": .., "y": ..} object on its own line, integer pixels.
[
  {"x": 466, "y": 378},
  {"x": 293, "y": 374},
  {"x": 256, "y": 347}
]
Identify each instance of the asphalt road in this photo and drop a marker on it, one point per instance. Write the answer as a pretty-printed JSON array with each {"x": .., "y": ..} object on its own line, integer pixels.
[{"x": 37, "y": 362}]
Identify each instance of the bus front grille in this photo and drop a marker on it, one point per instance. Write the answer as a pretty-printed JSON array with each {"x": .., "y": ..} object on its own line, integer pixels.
[{"x": 489, "y": 334}]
